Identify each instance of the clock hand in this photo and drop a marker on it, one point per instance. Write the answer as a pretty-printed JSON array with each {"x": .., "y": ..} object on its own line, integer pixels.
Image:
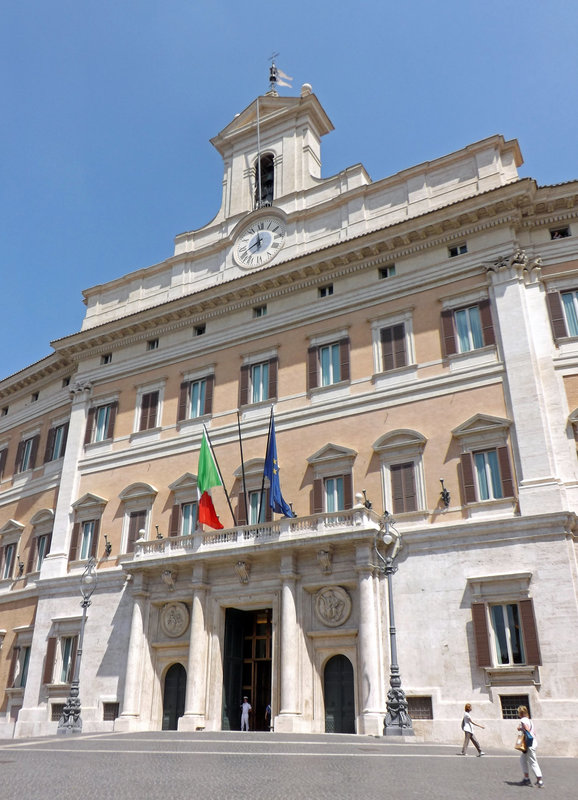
[{"x": 257, "y": 242}]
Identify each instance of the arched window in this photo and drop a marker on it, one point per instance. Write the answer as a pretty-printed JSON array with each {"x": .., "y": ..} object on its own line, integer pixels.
[{"x": 264, "y": 181}]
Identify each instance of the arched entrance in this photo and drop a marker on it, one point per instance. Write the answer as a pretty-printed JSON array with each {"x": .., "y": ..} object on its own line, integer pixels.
[
  {"x": 338, "y": 695},
  {"x": 174, "y": 696}
]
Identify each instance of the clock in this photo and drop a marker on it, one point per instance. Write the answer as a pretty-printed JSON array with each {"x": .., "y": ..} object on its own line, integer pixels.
[{"x": 259, "y": 242}]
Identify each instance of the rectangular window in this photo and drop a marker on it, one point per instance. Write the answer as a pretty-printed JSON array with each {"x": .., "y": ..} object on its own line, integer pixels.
[
  {"x": 42, "y": 549},
  {"x": 259, "y": 311},
  {"x": 386, "y": 272},
  {"x": 56, "y": 442},
  {"x": 259, "y": 382},
  {"x": 196, "y": 398},
  {"x": 488, "y": 479},
  {"x": 149, "y": 411},
  {"x": 393, "y": 347},
  {"x": 198, "y": 393},
  {"x": 334, "y": 495},
  {"x": 420, "y": 707},
  {"x": 56, "y": 711},
  {"x": 110, "y": 711},
  {"x": 257, "y": 502},
  {"x": 26, "y": 454},
  {"x": 3, "y": 457},
  {"x": 560, "y": 233},
  {"x": 106, "y": 359},
  {"x": 326, "y": 291},
  {"x": 23, "y": 661},
  {"x": 199, "y": 330},
  {"x": 327, "y": 364},
  {"x": 510, "y": 703},
  {"x": 329, "y": 358},
  {"x": 87, "y": 539},
  {"x": 403, "y": 491},
  {"x": 188, "y": 519},
  {"x": 153, "y": 344},
  {"x": 102, "y": 423},
  {"x": 8, "y": 561},
  {"x": 68, "y": 655},
  {"x": 468, "y": 329},
  {"x": 136, "y": 524},
  {"x": 506, "y": 627},
  {"x": 570, "y": 305},
  {"x": 457, "y": 250}
]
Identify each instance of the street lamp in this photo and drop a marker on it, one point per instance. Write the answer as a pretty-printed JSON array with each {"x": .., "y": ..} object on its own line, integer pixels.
[
  {"x": 71, "y": 721},
  {"x": 397, "y": 719}
]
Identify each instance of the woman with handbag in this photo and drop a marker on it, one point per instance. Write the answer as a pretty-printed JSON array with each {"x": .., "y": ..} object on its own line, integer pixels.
[{"x": 528, "y": 757}]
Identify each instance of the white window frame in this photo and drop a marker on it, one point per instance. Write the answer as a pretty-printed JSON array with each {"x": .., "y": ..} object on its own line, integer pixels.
[
  {"x": 507, "y": 634},
  {"x": 377, "y": 325},
  {"x": 148, "y": 388},
  {"x": 487, "y": 475},
  {"x": 333, "y": 493},
  {"x": 196, "y": 376},
  {"x": 259, "y": 383},
  {"x": 136, "y": 497},
  {"x": 403, "y": 446}
]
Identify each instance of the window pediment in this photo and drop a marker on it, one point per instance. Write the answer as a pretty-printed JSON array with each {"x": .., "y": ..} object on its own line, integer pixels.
[
  {"x": 185, "y": 482},
  {"x": 138, "y": 491},
  {"x": 43, "y": 517},
  {"x": 332, "y": 452},
  {"x": 482, "y": 430},
  {"x": 11, "y": 531},
  {"x": 500, "y": 587},
  {"x": 402, "y": 441},
  {"x": 253, "y": 467},
  {"x": 89, "y": 502}
]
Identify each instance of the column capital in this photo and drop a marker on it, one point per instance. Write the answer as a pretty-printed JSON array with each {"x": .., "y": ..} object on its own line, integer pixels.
[{"x": 515, "y": 266}]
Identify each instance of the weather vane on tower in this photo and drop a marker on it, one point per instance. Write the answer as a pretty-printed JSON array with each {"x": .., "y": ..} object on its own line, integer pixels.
[{"x": 277, "y": 77}]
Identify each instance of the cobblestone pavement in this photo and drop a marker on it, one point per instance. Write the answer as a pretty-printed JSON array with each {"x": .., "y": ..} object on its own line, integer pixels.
[{"x": 253, "y": 766}]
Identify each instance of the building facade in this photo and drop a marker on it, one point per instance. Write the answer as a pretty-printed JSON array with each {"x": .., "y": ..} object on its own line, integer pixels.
[{"x": 412, "y": 335}]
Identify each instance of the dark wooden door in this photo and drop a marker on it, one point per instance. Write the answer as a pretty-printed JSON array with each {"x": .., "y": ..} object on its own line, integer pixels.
[
  {"x": 338, "y": 694},
  {"x": 174, "y": 696}
]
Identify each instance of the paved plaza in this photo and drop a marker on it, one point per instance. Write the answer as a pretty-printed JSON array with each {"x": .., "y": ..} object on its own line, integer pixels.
[{"x": 260, "y": 766}]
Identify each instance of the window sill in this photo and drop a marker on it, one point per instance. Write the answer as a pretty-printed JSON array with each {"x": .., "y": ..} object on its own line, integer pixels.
[
  {"x": 105, "y": 446},
  {"x": 52, "y": 467},
  {"x": 193, "y": 423},
  {"x": 516, "y": 675},
  {"x": 336, "y": 391},
  {"x": 488, "y": 509},
  {"x": 150, "y": 435},
  {"x": 473, "y": 358},
  {"x": 258, "y": 410},
  {"x": 394, "y": 377}
]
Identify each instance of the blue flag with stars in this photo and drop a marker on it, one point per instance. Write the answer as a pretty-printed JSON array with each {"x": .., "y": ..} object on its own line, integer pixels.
[{"x": 271, "y": 470}]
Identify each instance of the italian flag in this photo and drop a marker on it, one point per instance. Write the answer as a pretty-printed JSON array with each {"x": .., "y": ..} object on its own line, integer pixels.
[{"x": 207, "y": 477}]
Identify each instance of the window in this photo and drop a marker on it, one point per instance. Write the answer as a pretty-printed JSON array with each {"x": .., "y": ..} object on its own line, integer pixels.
[
  {"x": 257, "y": 507},
  {"x": 148, "y": 411},
  {"x": 334, "y": 493},
  {"x": 401, "y": 458},
  {"x": 39, "y": 549},
  {"x": 258, "y": 381},
  {"x": 265, "y": 181},
  {"x": 68, "y": 654},
  {"x": 467, "y": 328},
  {"x": 34, "y": 397},
  {"x": 457, "y": 250},
  {"x": 26, "y": 454},
  {"x": 7, "y": 556},
  {"x": 153, "y": 344},
  {"x": 110, "y": 711},
  {"x": 56, "y": 442},
  {"x": 184, "y": 518},
  {"x": 403, "y": 491},
  {"x": 65, "y": 382},
  {"x": 393, "y": 347},
  {"x": 510, "y": 703},
  {"x": 386, "y": 272},
  {"x": 420, "y": 707},
  {"x": 259, "y": 311},
  {"x": 332, "y": 479},
  {"x": 325, "y": 291},
  {"x": 84, "y": 542},
  {"x": 3, "y": 457},
  {"x": 60, "y": 659},
  {"x": 100, "y": 423},
  {"x": 4, "y": 411},
  {"x": 328, "y": 364},
  {"x": 136, "y": 523},
  {"x": 196, "y": 398},
  {"x": 487, "y": 475},
  {"x": 199, "y": 330},
  {"x": 560, "y": 233},
  {"x": 19, "y": 666},
  {"x": 106, "y": 358},
  {"x": 505, "y": 633},
  {"x": 138, "y": 500}
]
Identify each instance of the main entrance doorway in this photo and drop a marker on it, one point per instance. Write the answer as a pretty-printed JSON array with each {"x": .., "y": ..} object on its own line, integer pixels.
[
  {"x": 174, "y": 696},
  {"x": 339, "y": 696},
  {"x": 246, "y": 667}
]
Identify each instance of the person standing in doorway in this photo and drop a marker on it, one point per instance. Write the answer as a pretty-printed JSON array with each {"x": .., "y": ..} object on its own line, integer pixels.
[
  {"x": 246, "y": 709},
  {"x": 528, "y": 759},
  {"x": 467, "y": 727}
]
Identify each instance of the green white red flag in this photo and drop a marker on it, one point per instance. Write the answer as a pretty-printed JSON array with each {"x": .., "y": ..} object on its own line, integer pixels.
[{"x": 207, "y": 477}]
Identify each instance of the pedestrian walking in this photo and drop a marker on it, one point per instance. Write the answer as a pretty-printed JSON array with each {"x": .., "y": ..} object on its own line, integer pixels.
[
  {"x": 246, "y": 709},
  {"x": 467, "y": 727},
  {"x": 528, "y": 759}
]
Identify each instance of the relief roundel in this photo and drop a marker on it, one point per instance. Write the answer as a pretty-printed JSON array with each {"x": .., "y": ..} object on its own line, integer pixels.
[
  {"x": 174, "y": 619},
  {"x": 333, "y": 606}
]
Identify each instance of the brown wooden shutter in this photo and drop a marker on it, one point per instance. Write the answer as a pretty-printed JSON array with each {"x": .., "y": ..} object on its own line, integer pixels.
[
  {"x": 273, "y": 369},
  {"x": 399, "y": 349},
  {"x": 111, "y": 420},
  {"x": 175, "y": 521},
  {"x": 89, "y": 426},
  {"x": 13, "y": 663},
  {"x": 144, "y": 412},
  {"x": 34, "y": 451},
  {"x": 403, "y": 487},
  {"x": 312, "y": 368},
  {"x": 468, "y": 480},
  {"x": 32, "y": 552},
  {"x": 64, "y": 438},
  {"x": 3, "y": 455},
  {"x": 48, "y": 452},
  {"x": 317, "y": 496},
  {"x": 183, "y": 407},
  {"x": 530, "y": 631},
  {"x": 448, "y": 336},
  {"x": 488, "y": 335},
  {"x": 136, "y": 523},
  {"x": 244, "y": 385},
  {"x": 241, "y": 509},
  {"x": 505, "y": 472},
  {"x": 348, "y": 491},
  {"x": 209, "y": 389},
  {"x": 484, "y": 658},
  {"x": 95, "y": 537},
  {"x": 397, "y": 488},
  {"x": 344, "y": 360},
  {"x": 387, "y": 357},
  {"x": 557, "y": 318},
  {"x": 72, "y": 554},
  {"x": 19, "y": 454},
  {"x": 49, "y": 660}
]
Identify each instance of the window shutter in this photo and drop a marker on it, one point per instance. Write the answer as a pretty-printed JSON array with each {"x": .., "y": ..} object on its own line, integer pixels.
[
  {"x": 403, "y": 487},
  {"x": 273, "y": 368},
  {"x": 344, "y": 359},
  {"x": 144, "y": 412},
  {"x": 89, "y": 426},
  {"x": 244, "y": 385},
  {"x": 505, "y": 472},
  {"x": 74, "y": 542},
  {"x": 484, "y": 658},
  {"x": 531, "y": 644},
  {"x": 32, "y": 551},
  {"x": 387, "y": 357},
  {"x": 19, "y": 454},
  {"x": 3, "y": 454},
  {"x": 111, "y": 420},
  {"x": 95, "y": 537},
  {"x": 209, "y": 386},
  {"x": 175, "y": 521},
  {"x": 488, "y": 334},
  {"x": 73, "y": 653},
  {"x": 312, "y": 368},
  {"x": 397, "y": 488},
  {"x": 49, "y": 660},
  {"x": 557, "y": 318},
  {"x": 13, "y": 663},
  {"x": 317, "y": 496},
  {"x": 348, "y": 491},
  {"x": 399, "y": 348},
  {"x": 183, "y": 401},
  {"x": 136, "y": 522},
  {"x": 34, "y": 451},
  {"x": 48, "y": 453},
  {"x": 2, "y": 549},
  {"x": 241, "y": 509},
  {"x": 448, "y": 336},
  {"x": 468, "y": 481},
  {"x": 64, "y": 438}
]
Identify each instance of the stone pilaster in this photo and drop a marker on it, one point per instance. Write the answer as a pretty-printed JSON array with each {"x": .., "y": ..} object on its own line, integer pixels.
[
  {"x": 369, "y": 677},
  {"x": 196, "y": 698},
  {"x": 289, "y": 715},
  {"x": 130, "y": 716}
]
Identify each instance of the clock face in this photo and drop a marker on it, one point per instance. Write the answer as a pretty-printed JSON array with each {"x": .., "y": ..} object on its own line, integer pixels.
[{"x": 259, "y": 242}]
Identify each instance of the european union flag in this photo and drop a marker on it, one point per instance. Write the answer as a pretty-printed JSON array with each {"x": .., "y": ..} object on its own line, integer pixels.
[{"x": 271, "y": 470}]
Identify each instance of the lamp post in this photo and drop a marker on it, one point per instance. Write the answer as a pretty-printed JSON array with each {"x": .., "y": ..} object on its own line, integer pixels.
[
  {"x": 71, "y": 721},
  {"x": 397, "y": 719}
]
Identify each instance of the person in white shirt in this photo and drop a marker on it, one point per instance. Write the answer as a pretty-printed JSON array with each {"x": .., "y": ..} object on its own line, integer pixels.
[
  {"x": 528, "y": 759},
  {"x": 246, "y": 709},
  {"x": 467, "y": 723}
]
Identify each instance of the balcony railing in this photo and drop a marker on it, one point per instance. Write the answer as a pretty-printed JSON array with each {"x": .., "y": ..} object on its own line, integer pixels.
[{"x": 285, "y": 529}]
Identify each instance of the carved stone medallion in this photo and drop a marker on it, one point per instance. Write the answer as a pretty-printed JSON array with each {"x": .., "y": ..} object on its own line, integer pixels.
[
  {"x": 333, "y": 606},
  {"x": 174, "y": 619}
]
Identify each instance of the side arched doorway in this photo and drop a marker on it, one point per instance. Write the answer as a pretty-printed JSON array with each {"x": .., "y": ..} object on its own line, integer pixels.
[
  {"x": 174, "y": 696},
  {"x": 338, "y": 695}
]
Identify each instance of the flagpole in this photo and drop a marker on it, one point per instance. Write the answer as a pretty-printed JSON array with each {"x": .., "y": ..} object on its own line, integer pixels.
[
  {"x": 243, "y": 470},
  {"x": 266, "y": 453},
  {"x": 220, "y": 473}
]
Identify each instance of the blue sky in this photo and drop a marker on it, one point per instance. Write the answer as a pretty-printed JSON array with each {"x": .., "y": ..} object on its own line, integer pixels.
[{"x": 108, "y": 107}]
